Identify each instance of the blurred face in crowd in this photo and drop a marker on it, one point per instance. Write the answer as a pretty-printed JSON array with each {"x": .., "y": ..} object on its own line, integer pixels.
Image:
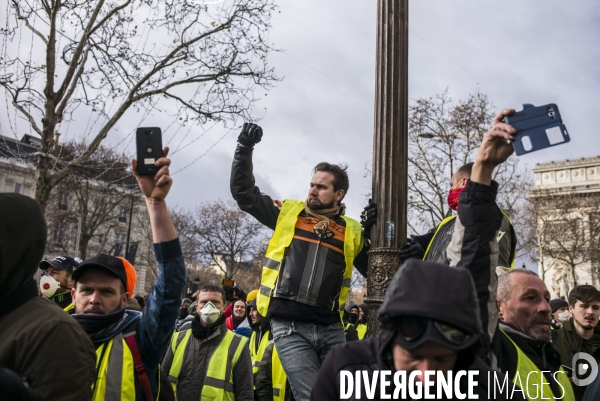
[
  {"x": 557, "y": 312},
  {"x": 361, "y": 314},
  {"x": 62, "y": 276},
  {"x": 527, "y": 307},
  {"x": 586, "y": 314},
  {"x": 254, "y": 316},
  {"x": 321, "y": 194},
  {"x": 239, "y": 309},
  {"x": 209, "y": 296},
  {"x": 429, "y": 356},
  {"x": 99, "y": 292},
  {"x": 354, "y": 311}
]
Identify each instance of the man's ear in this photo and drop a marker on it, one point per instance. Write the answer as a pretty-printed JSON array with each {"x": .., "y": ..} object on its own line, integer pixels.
[
  {"x": 73, "y": 292},
  {"x": 124, "y": 298},
  {"x": 339, "y": 195},
  {"x": 571, "y": 309}
]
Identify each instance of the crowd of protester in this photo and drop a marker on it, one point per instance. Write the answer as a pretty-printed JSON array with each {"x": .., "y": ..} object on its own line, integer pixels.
[{"x": 455, "y": 303}]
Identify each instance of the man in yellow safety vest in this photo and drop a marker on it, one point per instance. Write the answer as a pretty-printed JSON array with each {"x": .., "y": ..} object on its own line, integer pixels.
[
  {"x": 208, "y": 361},
  {"x": 129, "y": 346},
  {"x": 307, "y": 270}
]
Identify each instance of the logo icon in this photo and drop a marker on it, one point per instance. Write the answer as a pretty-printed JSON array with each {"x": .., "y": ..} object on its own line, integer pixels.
[{"x": 580, "y": 369}]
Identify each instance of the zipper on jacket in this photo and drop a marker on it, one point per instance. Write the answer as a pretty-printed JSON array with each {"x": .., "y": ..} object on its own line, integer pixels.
[{"x": 314, "y": 268}]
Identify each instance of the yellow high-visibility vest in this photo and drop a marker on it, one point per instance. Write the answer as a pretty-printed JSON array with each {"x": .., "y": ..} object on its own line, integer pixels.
[
  {"x": 361, "y": 329},
  {"x": 282, "y": 238},
  {"x": 69, "y": 307},
  {"x": 449, "y": 219},
  {"x": 279, "y": 377},
  {"x": 256, "y": 353},
  {"x": 218, "y": 383},
  {"x": 537, "y": 387},
  {"x": 116, "y": 371}
]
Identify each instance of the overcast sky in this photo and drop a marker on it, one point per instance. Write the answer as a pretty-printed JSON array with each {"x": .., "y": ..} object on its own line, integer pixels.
[{"x": 515, "y": 51}]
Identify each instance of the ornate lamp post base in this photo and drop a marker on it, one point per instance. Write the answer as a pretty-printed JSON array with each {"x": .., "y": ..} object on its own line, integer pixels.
[{"x": 383, "y": 263}]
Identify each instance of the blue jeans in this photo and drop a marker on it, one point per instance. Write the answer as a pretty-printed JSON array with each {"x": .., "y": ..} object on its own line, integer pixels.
[{"x": 302, "y": 348}]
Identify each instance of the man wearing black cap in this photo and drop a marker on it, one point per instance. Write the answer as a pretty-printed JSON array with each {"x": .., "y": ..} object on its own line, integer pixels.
[
  {"x": 123, "y": 337},
  {"x": 39, "y": 342},
  {"x": 57, "y": 281},
  {"x": 560, "y": 313}
]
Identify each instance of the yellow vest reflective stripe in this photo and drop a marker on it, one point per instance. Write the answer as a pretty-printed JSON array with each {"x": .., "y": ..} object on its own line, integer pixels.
[
  {"x": 69, "y": 307},
  {"x": 218, "y": 383},
  {"x": 448, "y": 219},
  {"x": 534, "y": 385},
  {"x": 279, "y": 377},
  {"x": 346, "y": 327},
  {"x": 256, "y": 354},
  {"x": 282, "y": 238},
  {"x": 116, "y": 371},
  {"x": 361, "y": 329}
]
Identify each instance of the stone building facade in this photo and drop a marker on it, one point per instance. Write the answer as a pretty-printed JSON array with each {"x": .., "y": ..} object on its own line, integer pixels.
[
  {"x": 17, "y": 170},
  {"x": 567, "y": 196}
]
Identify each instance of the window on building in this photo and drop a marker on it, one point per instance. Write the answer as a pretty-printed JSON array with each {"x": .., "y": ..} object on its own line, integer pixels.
[
  {"x": 63, "y": 201},
  {"x": 120, "y": 238},
  {"x": 100, "y": 238},
  {"x": 123, "y": 214},
  {"x": 18, "y": 188},
  {"x": 59, "y": 232}
]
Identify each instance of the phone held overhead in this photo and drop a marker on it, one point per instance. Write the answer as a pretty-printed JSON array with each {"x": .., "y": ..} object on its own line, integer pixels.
[
  {"x": 537, "y": 128},
  {"x": 149, "y": 149}
]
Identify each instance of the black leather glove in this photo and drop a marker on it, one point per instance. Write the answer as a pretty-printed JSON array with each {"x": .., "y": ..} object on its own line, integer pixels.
[
  {"x": 411, "y": 250},
  {"x": 368, "y": 217},
  {"x": 251, "y": 135}
]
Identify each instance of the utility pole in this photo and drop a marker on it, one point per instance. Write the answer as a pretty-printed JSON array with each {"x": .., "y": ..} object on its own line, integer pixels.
[{"x": 390, "y": 155}]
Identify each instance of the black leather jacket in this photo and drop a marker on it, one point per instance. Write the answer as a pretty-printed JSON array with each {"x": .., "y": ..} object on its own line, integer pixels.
[{"x": 295, "y": 297}]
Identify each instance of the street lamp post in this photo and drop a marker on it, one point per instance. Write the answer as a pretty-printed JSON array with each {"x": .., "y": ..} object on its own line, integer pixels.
[{"x": 390, "y": 152}]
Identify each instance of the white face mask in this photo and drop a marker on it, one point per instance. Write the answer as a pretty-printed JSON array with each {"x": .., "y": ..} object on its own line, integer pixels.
[
  {"x": 564, "y": 316},
  {"x": 209, "y": 313},
  {"x": 48, "y": 285}
]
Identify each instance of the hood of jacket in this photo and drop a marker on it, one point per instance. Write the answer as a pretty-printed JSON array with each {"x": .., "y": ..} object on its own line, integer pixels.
[
  {"x": 131, "y": 316},
  {"x": 22, "y": 241},
  {"x": 433, "y": 291}
]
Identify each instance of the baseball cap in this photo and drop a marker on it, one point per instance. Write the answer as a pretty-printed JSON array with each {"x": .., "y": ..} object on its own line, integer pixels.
[
  {"x": 557, "y": 304},
  {"x": 63, "y": 262},
  {"x": 118, "y": 266}
]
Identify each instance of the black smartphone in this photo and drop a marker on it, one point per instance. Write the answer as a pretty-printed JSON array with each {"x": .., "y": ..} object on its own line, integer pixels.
[
  {"x": 568, "y": 370},
  {"x": 149, "y": 149},
  {"x": 537, "y": 128}
]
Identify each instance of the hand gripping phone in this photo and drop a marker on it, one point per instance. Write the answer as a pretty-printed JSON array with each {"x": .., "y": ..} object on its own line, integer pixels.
[
  {"x": 149, "y": 149},
  {"x": 537, "y": 128}
]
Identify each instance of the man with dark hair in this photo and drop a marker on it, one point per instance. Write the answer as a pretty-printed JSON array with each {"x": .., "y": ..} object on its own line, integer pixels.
[
  {"x": 129, "y": 346},
  {"x": 48, "y": 350},
  {"x": 208, "y": 361},
  {"x": 432, "y": 246},
  {"x": 57, "y": 281},
  {"x": 308, "y": 266},
  {"x": 581, "y": 332}
]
